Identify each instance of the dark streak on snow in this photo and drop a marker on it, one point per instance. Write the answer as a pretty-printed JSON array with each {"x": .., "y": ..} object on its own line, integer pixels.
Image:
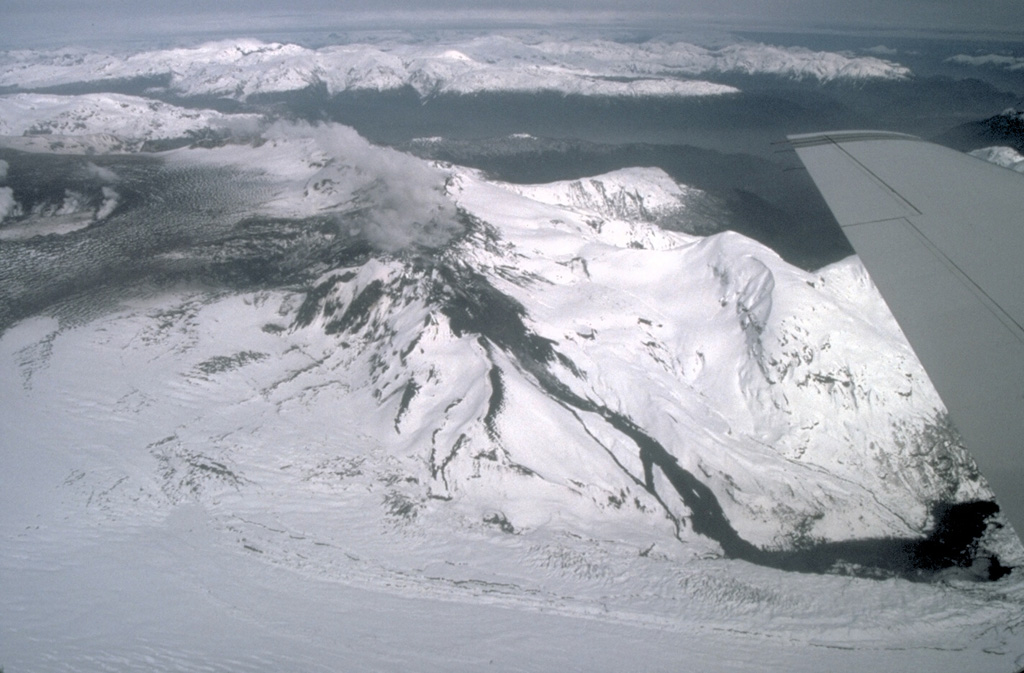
[
  {"x": 495, "y": 403},
  {"x": 411, "y": 388},
  {"x": 357, "y": 313},
  {"x": 475, "y": 306}
]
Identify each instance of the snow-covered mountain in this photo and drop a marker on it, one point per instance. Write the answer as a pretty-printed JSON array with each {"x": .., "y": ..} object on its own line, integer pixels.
[
  {"x": 240, "y": 69},
  {"x": 1007, "y": 157},
  {"x": 647, "y": 195},
  {"x": 127, "y": 118},
  {"x": 381, "y": 373}
]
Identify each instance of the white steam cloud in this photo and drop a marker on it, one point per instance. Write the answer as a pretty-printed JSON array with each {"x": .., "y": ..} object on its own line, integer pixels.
[
  {"x": 394, "y": 200},
  {"x": 400, "y": 198},
  {"x": 110, "y": 201},
  {"x": 104, "y": 175},
  {"x": 406, "y": 202},
  {"x": 8, "y": 206}
]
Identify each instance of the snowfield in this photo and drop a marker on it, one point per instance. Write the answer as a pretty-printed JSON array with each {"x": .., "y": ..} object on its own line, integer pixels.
[{"x": 454, "y": 423}]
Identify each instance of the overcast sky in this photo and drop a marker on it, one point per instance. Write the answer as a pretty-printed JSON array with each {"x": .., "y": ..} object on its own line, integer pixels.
[{"x": 54, "y": 22}]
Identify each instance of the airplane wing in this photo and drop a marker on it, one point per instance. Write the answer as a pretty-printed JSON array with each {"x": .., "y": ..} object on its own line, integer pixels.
[{"x": 942, "y": 235}]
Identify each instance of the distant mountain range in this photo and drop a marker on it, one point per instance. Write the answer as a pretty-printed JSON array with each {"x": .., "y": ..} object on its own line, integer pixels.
[{"x": 241, "y": 69}]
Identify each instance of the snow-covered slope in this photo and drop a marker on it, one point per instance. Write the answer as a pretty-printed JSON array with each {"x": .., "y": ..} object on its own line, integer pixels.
[
  {"x": 1007, "y": 157},
  {"x": 532, "y": 398},
  {"x": 642, "y": 194},
  {"x": 707, "y": 345},
  {"x": 242, "y": 68},
  {"x": 129, "y": 117},
  {"x": 107, "y": 123}
]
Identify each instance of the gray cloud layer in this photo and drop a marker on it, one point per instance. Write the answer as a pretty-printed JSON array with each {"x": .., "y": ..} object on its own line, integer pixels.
[{"x": 51, "y": 22}]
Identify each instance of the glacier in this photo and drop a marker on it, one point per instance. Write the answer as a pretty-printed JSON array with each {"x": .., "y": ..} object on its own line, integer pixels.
[{"x": 349, "y": 405}]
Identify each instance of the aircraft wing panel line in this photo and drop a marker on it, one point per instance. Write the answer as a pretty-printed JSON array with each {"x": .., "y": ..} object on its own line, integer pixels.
[
  {"x": 1001, "y": 314},
  {"x": 893, "y": 192}
]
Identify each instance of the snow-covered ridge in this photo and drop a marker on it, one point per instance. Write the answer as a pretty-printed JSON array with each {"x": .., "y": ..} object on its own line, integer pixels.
[
  {"x": 1007, "y": 157},
  {"x": 242, "y": 68},
  {"x": 129, "y": 118},
  {"x": 745, "y": 58},
  {"x": 639, "y": 194}
]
